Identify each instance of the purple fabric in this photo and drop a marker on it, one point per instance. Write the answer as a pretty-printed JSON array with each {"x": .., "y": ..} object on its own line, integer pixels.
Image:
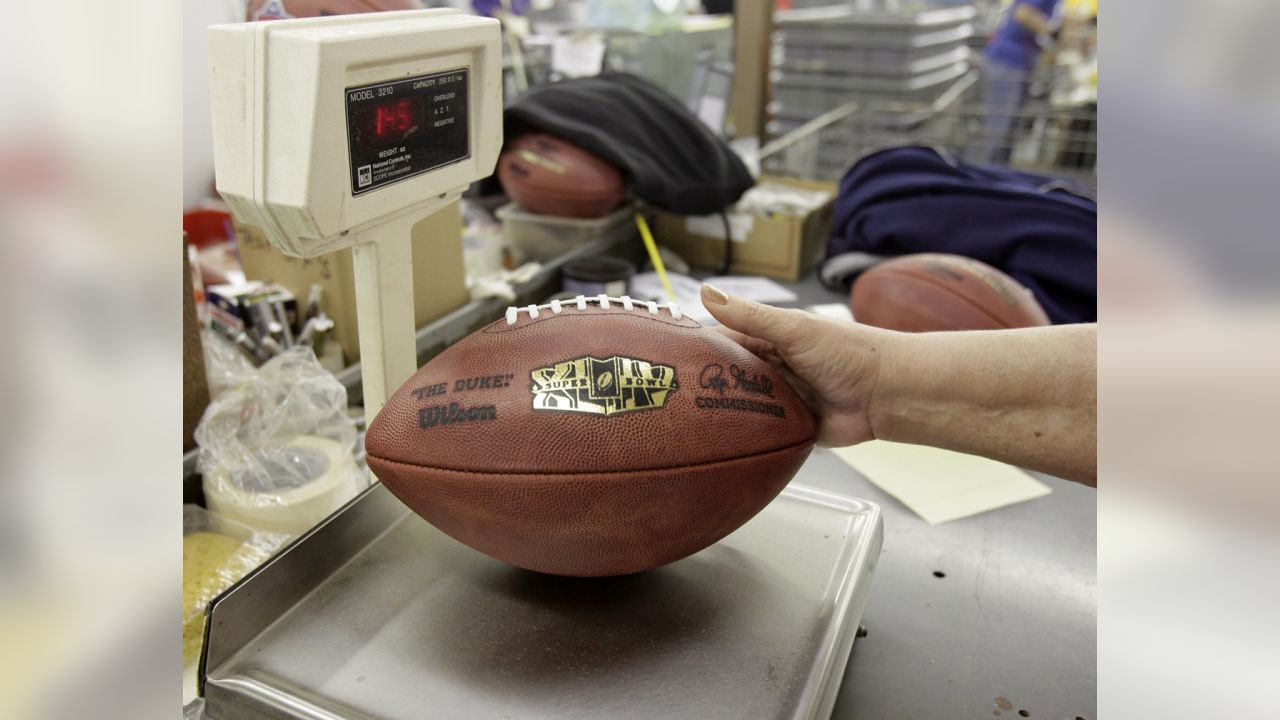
[
  {"x": 489, "y": 8},
  {"x": 914, "y": 199}
]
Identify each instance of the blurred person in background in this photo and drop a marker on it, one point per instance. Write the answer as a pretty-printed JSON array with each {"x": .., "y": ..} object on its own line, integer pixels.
[{"x": 1026, "y": 28}]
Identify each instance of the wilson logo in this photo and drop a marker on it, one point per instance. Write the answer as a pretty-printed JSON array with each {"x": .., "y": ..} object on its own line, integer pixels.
[{"x": 453, "y": 413}]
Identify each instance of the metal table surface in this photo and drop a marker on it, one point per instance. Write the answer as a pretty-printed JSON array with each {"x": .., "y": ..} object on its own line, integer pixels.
[{"x": 1010, "y": 626}]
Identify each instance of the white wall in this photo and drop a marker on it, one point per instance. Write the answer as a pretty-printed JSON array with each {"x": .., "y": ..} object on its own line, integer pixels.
[{"x": 197, "y": 139}]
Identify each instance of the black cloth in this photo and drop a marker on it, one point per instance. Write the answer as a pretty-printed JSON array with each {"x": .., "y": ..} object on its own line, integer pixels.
[{"x": 671, "y": 160}]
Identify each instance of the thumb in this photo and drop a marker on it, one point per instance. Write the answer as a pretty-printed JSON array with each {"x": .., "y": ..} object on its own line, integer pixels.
[{"x": 775, "y": 325}]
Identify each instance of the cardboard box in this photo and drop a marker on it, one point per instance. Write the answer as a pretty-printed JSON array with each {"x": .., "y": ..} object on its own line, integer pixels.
[
  {"x": 439, "y": 278},
  {"x": 780, "y": 246}
]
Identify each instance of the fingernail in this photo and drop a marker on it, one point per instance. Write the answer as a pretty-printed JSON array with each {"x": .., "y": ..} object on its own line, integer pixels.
[{"x": 714, "y": 295}]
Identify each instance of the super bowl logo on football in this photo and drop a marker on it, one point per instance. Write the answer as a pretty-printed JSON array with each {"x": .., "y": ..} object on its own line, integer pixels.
[{"x": 602, "y": 386}]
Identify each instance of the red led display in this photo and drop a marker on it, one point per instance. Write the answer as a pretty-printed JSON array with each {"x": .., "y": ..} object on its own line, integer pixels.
[{"x": 394, "y": 118}]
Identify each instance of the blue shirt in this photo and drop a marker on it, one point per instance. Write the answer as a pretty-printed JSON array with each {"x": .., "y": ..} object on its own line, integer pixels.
[{"x": 1013, "y": 44}]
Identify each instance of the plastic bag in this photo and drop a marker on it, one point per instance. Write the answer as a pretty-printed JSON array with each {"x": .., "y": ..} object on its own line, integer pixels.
[
  {"x": 225, "y": 365},
  {"x": 276, "y": 450}
]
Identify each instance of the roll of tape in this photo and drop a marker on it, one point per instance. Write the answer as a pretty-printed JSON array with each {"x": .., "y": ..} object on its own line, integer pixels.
[{"x": 310, "y": 478}]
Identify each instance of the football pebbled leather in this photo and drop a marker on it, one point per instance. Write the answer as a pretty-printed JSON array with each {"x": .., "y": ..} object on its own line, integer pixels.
[{"x": 592, "y": 437}]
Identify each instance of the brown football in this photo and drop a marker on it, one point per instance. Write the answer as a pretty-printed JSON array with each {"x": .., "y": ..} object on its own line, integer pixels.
[
  {"x": 285, "y": 9},
  {"x": 591, "y": 437},
  {"x": 935, "y": 291},
  {"x": 549, "y": 176}
]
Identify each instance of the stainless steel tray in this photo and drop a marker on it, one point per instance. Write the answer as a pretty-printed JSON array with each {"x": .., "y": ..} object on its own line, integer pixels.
[{"x": 376, "y": 613}]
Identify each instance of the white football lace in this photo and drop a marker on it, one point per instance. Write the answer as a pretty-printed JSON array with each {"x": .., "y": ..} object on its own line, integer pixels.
[{"x": 556, "y": 306}]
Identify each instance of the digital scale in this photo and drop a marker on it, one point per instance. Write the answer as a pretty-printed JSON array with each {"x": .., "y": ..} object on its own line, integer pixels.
[{"x": 344, "y": 131}]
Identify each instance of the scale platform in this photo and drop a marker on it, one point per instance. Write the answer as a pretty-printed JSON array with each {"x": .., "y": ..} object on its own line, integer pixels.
[{"x": 376, "y": 614}]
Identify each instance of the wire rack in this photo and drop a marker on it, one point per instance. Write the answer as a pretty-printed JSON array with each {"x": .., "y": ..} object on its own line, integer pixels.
[{"x": 1047, "y": 135}]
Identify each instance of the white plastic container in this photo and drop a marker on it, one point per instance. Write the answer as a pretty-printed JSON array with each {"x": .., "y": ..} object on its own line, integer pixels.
[{"x": 545, "y": 237}]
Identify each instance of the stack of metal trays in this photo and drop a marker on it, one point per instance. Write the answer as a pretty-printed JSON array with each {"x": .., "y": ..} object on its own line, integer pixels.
[{"x": 824, "y": 57}]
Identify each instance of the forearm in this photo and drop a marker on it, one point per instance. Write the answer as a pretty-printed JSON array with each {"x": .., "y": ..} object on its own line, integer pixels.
[
  {"x": 1027, "y": 397},
  {"x": 1032, "y": 19}
]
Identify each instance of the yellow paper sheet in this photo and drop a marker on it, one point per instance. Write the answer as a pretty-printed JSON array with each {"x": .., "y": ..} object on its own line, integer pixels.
[{"x": 941, "y": 485}]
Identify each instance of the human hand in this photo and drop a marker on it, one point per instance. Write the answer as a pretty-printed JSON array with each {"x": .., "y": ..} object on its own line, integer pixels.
[
  {"x": 1027, "y": 397},
  {"x": 834, "y": 366}
]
